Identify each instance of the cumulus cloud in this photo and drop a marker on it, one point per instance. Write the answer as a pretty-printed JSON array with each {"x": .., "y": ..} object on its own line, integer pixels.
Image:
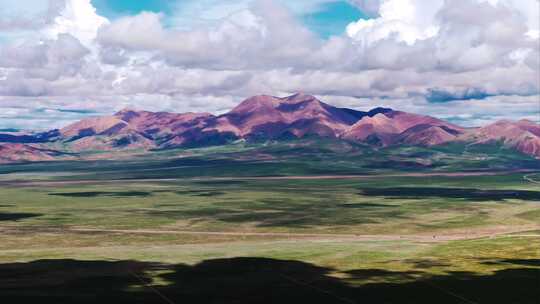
[
  {"x": 477, "y": 57},
  {"x": 264, "y": 36},
  {"x": 75, "y": 17},
  {"x": 412, "y": 13},
  {"x": 406, "y": 20},
  {"x": 32, "y": 68}
]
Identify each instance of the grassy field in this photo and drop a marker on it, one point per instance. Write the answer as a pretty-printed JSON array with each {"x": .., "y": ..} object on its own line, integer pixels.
[
  {"x": 286, "y": 158},
  {"x": 85, "y": 231}
]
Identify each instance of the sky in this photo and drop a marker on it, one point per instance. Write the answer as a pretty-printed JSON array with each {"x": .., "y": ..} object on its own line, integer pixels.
[{"x": 468, "y": 61}]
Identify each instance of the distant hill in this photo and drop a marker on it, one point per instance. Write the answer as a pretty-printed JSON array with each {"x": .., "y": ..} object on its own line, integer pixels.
[
  {"x": 15, "y": 152},
  {"x": 262, "y": 118}
]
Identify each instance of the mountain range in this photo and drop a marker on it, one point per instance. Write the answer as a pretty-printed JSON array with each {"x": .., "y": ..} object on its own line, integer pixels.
[{"x": 259, "y": 118}]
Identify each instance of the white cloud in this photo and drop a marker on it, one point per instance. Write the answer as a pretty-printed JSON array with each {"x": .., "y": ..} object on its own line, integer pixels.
[
  {"x": 73, "y": 58},
  {"x": 408, "y": 20},
  {"x": 79, "y": 19},
  {"x": 412, "y": 20},
  {"x": 265, "y": 36}
]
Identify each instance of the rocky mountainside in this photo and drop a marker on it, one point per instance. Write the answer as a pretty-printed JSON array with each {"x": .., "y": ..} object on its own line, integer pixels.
[{"x": 262, "y": 118}]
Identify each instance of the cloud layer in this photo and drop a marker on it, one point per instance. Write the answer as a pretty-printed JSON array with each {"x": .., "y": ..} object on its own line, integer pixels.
[{"x": 471, "y": 61}]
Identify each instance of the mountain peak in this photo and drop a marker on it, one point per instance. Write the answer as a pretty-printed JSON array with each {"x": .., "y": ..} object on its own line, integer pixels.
[
  {"x": 527, "y": 121},
  {"x": 126, "y": 110},
  {"x": 254, "y": 103},
  {"x": 127, "y": 114},
  {"x": 299, "y": 97},
  {"x": 379, "y": 110}
]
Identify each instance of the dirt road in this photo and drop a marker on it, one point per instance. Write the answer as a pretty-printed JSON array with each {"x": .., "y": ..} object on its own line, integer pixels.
[{"x": 487, "y": 232}]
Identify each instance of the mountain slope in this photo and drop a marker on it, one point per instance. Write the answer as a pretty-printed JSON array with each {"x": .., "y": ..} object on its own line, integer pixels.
[
  {"x": 522, "y": 135},
  {"x": 17, "y": 152},
  {"x": 130, "y": 129},
  {"x": 299, "y": 115},
  {"x": 394, "y": 127},
  {"x": 263, "y": 118},
  {"x": 426, "y": 135}
]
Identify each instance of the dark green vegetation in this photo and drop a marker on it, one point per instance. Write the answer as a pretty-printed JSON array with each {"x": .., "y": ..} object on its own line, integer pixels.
[
  {"x": 463, "y": 193},
  {"x": 216, "y": 226},
  {"x": 285, "y": 158}
]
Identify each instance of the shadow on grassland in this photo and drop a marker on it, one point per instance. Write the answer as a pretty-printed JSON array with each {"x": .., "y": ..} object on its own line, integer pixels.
[
  {"x": 103, "y": 194},
  {"x": 459, "y": 193},
  {"x": 16, "y": 216},
  {"x": 255, "y": 280}
]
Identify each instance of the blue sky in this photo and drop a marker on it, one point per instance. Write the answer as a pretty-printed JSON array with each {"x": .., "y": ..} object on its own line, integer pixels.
[
  {"x": 324, "y": 17},
  {"x": 332, "y": 18},
  {"x": 115, "y": 8}
]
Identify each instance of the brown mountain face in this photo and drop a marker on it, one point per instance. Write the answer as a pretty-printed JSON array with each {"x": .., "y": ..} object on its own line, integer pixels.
[
  {"x": 393, "y": 127},
  {"x": 130, "y": 129},
  {"x": 16, "y": 152},
  {"x": 103, "y": 133},
  {"x": 427, "y": 135},
  {"x": 262, "y": 118},
  {"x": 298, "y": 115},
  {"x": 162, "y": 128},
  {"x": 521, "y": 135}
]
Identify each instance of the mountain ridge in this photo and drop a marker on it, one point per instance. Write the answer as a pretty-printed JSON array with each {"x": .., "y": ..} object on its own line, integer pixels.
[{"x": 264, "y": 117}]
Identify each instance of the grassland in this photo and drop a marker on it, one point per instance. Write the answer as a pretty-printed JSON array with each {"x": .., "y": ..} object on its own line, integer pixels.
[
  {"x": 218, "y": 227},
  {"x": 285, "y": 158}
]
